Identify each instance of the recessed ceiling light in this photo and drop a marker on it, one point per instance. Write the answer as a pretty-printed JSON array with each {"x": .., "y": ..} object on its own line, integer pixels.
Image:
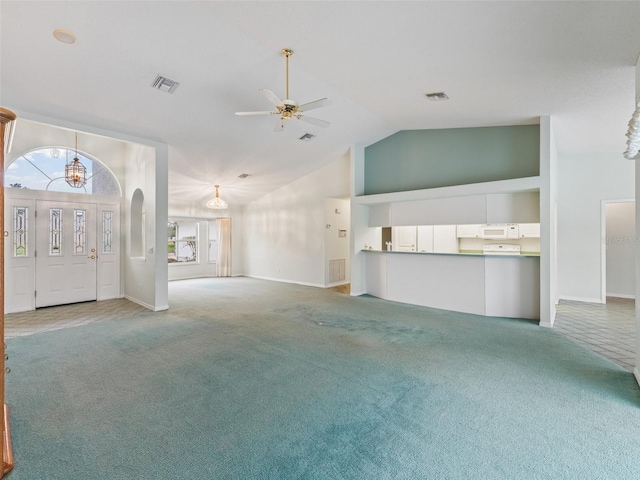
[
  {"x": 64, "y": 36},
  {"x": 164, "y": 84},
  {"x": 437, "y": 96}
]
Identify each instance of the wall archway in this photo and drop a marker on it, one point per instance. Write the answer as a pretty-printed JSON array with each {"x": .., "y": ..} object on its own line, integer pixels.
[{"x": 136, "y": 249}]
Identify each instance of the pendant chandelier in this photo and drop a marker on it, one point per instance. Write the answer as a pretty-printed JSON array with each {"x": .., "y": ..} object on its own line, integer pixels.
[
  {"x": 217, "y": 203},
  {"x": 75, "y": 173}
]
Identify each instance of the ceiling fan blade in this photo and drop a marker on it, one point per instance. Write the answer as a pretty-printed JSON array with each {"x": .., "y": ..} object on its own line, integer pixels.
[
  {"x": 315, "y": 104},
  {"x": 256, "y": 113},
  {"x": 272, "y": 97},
  {"x": 314, "y": 121}
]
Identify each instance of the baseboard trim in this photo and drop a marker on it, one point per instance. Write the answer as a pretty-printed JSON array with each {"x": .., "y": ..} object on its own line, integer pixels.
[
  {"x": 337, "y": 284},
  {"x": 191, "y": 277},
  {"x": 357, "y": 294},
  {"x": 636, "y": 373},
  {"x": 147, "y": 305},
  {"x": 581, "y": 299},
  {"x": 621, "y": 295},
  {"x": 545, "y": 324},
  {"x": 271, "y": 279}
]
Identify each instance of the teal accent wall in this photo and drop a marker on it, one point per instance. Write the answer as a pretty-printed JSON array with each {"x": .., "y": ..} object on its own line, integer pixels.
[{"x": 419, "y": 159}]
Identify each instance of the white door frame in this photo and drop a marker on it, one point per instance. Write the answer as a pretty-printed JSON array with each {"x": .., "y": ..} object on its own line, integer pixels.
[
  {"x": 114, "y": 266},
  {"x": 603, "y": 245}
]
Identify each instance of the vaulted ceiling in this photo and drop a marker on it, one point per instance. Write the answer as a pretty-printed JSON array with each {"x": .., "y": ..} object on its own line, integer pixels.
[{"x": 501, "y": 63}]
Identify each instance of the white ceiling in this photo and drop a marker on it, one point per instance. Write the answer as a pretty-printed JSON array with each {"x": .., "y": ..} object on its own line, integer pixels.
[{"x": 501, "y": 63}]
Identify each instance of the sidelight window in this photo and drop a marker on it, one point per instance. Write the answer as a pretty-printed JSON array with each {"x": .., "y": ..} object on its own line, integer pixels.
[{"x": 20, "y": 231}]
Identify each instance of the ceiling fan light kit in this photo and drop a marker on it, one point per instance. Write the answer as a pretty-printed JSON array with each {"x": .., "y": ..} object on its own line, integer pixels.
[{"x": 287, "y": 109}]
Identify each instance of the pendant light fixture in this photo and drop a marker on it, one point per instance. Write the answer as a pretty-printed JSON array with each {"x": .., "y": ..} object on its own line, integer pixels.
[
  {"x": 217, "y": 203},
  {"x": 75, "y": 173}
]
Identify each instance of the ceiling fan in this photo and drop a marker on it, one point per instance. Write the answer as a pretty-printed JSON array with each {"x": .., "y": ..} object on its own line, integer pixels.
[{"x": 287, "y": 108}]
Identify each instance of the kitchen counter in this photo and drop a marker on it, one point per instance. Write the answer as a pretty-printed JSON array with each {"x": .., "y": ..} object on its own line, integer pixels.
[
  {"x": 499, "y": 285},
  {"x": 473, "y": 253}
]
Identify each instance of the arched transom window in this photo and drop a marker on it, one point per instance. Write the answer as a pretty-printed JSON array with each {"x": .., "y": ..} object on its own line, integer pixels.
[{"x": 43, "y": 169}]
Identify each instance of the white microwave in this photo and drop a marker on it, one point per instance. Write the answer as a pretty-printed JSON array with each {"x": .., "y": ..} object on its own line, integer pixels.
[{"x": 499, "y": 230}]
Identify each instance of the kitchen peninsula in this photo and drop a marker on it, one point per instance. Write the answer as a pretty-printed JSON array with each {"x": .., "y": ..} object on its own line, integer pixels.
[{"x": 491, "y": 285}]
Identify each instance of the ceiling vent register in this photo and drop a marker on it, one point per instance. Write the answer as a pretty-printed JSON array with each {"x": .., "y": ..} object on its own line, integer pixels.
[
  {"x": 164, "y": 84},
  {"x": 437, "y": 96}
]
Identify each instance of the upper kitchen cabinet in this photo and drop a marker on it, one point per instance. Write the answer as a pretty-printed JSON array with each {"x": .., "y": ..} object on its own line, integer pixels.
[
  {"x": 529, "y": 230},
  {"x": 468, "y": 231}
]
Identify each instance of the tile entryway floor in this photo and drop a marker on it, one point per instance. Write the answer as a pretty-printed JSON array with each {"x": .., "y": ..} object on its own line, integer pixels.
[
  {"x": 65, "y": 316},
  {"x": 607, "y": 329}
]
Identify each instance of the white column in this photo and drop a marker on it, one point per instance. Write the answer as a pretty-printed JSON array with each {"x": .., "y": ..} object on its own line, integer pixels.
[{"x": 548, "y": 223}]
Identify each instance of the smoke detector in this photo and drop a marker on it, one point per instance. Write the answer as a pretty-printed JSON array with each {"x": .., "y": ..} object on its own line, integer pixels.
[
  {"x": 164, "y": 84},
  {"x": 437, "y": 96}
]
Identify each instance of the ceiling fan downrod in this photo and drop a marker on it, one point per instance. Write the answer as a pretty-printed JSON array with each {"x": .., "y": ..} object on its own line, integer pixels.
[{"x": 287, "y": 52}]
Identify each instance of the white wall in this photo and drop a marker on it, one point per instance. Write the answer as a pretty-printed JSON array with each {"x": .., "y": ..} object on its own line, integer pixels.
[
  {"x": 284, "y": 231},
  {"x": 337, "y": 218},
  {"x": 620, "y": 249},
  {"x": 584, "y": 181}
]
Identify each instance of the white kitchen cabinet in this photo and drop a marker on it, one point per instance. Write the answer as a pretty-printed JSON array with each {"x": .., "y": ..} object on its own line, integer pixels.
[
  {"x": 425, "y": 238},
  {"x": 445, "y": 239},
  {"x": 403, "y": 239},
  {"x": 529, "y": 230},
  {"x": 468, "y": 231}
]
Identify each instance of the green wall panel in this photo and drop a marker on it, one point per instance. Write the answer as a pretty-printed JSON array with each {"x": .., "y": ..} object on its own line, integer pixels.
[{"x": 419, "y": 159}]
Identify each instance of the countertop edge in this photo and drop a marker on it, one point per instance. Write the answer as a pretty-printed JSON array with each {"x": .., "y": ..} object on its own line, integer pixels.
[{"x": 510, "y": 255}]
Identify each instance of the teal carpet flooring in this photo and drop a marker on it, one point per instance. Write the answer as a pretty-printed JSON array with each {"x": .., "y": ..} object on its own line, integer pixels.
[{"x": 248, "y": 379}]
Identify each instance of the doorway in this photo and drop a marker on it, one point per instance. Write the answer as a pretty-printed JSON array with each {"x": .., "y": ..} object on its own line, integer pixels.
[
  {"x": 618, "y": 249},
  {"x": 60, "y": 249}
]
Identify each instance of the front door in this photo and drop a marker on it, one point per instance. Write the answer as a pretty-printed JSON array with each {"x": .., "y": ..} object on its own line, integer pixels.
[{"x": 66, "y": 253}]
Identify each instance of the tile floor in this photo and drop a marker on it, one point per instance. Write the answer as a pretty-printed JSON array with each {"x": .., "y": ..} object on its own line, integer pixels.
[
  {"x": 65, "y": 316},
  {"x": 608, "y": 330}
]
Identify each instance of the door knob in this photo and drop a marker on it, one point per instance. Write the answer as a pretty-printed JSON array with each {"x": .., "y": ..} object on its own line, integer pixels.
[
  {"x": 92, "y": 257},
  {"x": 6, "y": 234},
  {"x": 93, "y": 250}
]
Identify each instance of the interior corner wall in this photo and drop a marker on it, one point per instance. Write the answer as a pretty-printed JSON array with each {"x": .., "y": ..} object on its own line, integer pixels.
[
  {"x": 584, "y": 181},
  {"x": 284, "y": 231},
  {"x": 146, "y": 278}
]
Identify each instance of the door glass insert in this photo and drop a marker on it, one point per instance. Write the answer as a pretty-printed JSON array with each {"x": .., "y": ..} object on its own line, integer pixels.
[
  {"x": 107, "y": 229},
  {"x": 55, "y": 231},
  {"x": 20, "y": 224},
  {"x": 79, "y": 236}
]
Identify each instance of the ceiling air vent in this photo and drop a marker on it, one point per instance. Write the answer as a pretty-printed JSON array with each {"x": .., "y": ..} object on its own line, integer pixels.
[
  {"x": 164, "y": 84},
  {"x": 244, "y": 175},
  {"x": 307, "y": 137},
  {"x": 437, "y": 96}
]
